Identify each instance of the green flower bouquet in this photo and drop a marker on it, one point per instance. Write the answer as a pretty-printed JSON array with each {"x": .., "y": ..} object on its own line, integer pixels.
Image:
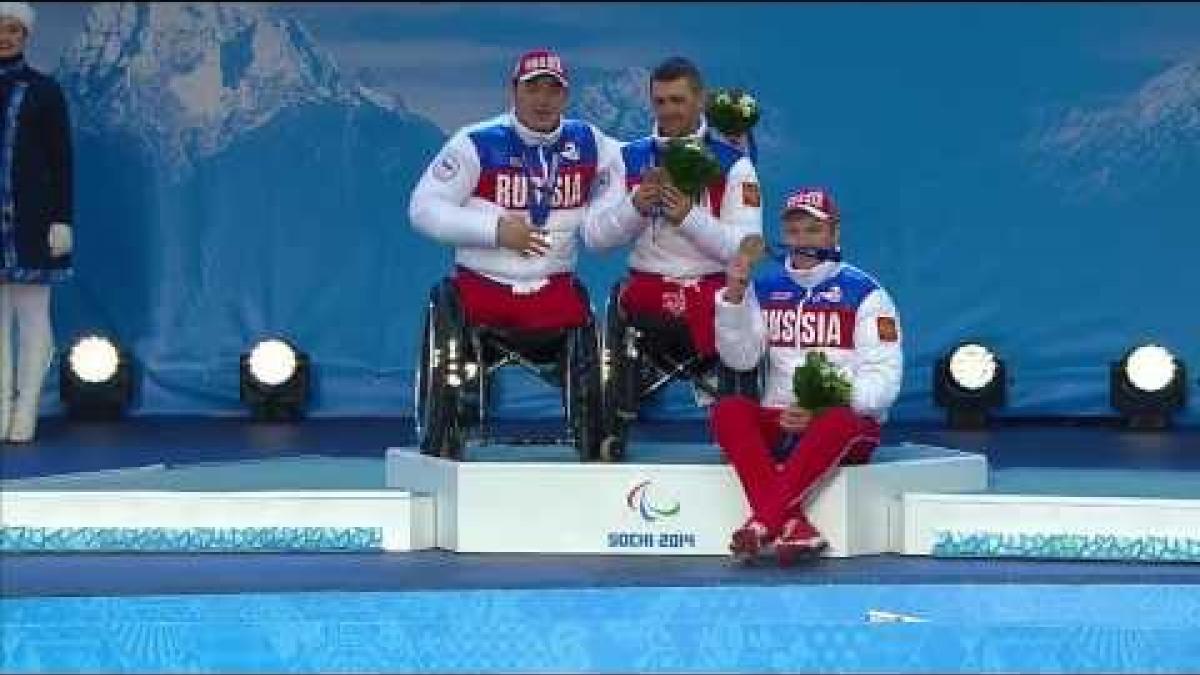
[
  {"x": 690, "y": 165},
  {"x": 732, "y": 112},
  {"x": 818, "y": 385}
]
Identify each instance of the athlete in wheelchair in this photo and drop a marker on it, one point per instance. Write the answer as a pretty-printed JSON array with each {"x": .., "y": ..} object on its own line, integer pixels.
[
  {"x": 659, "y": 321},
  {"x": 510, "y": 194}
]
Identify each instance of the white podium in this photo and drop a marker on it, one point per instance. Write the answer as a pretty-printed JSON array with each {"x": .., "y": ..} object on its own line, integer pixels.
[
  {"x": 228, "y": 521},
  {"x": 1052, "y": 526},
  {"x": 661, "y": 508}
]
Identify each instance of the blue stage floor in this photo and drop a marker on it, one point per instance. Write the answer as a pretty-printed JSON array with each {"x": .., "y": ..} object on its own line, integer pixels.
[
  {"x": 74, "y": 447},
  {"x": 41, "y": 575},
  {"x": 433, "y": 611},
  {"x": 842, "y": 628}
]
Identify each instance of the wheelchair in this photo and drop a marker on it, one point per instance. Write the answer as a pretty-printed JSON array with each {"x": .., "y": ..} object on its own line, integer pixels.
[
  {"x": 457, "y": 362},
  {"x": 642, "y": 354}
]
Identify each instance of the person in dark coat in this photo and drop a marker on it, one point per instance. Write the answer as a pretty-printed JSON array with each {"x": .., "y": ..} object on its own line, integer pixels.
[{"x": 35, "y": 220}]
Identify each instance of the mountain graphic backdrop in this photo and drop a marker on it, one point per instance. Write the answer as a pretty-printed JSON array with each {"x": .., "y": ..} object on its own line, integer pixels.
[
  {"x": 1147, "y": 142},
  {"x": 233, "y": 183},
  {"x": 245, "y": 169}
]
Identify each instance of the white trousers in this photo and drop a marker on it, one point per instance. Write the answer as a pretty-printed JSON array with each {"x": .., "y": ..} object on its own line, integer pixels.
[{"x": 25, "y": 307}]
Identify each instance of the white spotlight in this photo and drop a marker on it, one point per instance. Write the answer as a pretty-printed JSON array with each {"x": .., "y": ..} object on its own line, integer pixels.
[
  {"x": 272, "y": 362},
  {"x": 1150, "y": 368},
  {"x": 94, "y": 359},
  {"x": 972, "y": 366}
]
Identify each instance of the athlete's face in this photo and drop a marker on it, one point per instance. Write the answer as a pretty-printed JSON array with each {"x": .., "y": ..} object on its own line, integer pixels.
[
  {"x": 539, "y": 102},
  {"x": 12, "y": 37},
  {"x": 801, "y": 228},
  {"x": 678, "y": 105}
]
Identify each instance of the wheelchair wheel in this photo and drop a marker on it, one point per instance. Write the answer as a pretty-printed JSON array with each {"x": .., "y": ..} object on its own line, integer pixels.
[
  {"x": 438, "y": 381},
  {"x": 582, "y": 391},
  {"x": 620, "y": 382}
]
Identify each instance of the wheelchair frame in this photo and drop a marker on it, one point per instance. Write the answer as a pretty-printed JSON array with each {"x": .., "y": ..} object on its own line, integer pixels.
[
  {"x": 626, "y": 358},
  {"x": 452, "y": 387}
]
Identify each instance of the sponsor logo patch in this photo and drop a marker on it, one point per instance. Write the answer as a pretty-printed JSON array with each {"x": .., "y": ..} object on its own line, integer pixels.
[
  {"x": 831, "y": 294},
  {"x": 447, "y": 167}
]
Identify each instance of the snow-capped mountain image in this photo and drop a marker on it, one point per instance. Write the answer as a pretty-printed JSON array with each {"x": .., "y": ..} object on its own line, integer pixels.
[
  {"x": 229, "y": 173},
  {"x": 187, "y": 79},
  {"x": 240, "y": 170},
  {"x": 618, "y": 101},
  {"x": 1149, "y": 137}
]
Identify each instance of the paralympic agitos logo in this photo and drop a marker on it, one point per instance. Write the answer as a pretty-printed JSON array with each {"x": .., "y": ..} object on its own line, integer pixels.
[{"x": 640, "y": 499}]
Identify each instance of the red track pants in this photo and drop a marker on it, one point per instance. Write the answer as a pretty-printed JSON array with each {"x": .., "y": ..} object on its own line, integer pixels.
[
  {"x": 654, "y": 295},
  {"x": 747, "y": 432},
  {"x": 487, "y": 302}
]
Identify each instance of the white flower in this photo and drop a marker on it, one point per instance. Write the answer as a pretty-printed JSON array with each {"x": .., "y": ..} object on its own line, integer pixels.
[
  {"x": 748, "y": 107},
  {"x": 723, "y": 98}
]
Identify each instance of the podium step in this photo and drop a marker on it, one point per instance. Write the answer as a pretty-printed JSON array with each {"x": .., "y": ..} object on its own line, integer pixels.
[
  {"x": 228, "y": 521},
  {"x": 661, "y": 508},
  {"x": 1052, "y": 527}
]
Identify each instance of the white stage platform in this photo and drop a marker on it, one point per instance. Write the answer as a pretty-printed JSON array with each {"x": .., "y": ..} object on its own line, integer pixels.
[
  {"x": 199, "y": 521},
  {"x": 1052, "y": 526},
  {"x": 677, "y": 500},
  {"x": 661, "y": 508}
]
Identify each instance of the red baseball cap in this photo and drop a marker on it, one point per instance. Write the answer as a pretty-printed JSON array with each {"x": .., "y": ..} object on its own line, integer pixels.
[
  {"x": 539, "y": 62},
  {"x": 814, "y": 200}
]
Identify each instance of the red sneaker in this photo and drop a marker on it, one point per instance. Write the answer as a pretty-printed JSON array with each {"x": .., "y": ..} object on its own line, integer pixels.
[
  {"x": 748, "y": 540},
  {"x": 799, "y": 539}
]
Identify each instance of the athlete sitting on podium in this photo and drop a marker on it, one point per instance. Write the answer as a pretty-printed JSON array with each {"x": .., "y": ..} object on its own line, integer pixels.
[{"x": 811, "y": 303}]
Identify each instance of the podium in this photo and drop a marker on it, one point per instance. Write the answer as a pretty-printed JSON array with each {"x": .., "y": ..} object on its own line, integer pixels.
[
  {"x": 516, "y": 506},
  {"x": 193, "y": 521},
  {"x": 1045, "y": 526}
]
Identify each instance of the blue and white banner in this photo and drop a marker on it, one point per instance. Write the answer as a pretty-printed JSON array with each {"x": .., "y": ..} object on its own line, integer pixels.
[{"x": 1020, "y": 173}]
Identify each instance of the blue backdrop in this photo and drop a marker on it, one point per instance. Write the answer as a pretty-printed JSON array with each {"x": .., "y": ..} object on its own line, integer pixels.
[{"x": 1021, "y": 173}]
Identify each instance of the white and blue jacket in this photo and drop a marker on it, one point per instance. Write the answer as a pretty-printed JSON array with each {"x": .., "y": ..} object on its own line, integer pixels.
[
  {"x": 705, "y": 241},
  {"x": 494, "y": 167},
  {"x": 833, "y": 307}
]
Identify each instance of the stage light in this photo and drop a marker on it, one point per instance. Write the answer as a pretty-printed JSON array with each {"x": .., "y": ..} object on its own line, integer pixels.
[
  {"x": 94, "y": 378},
  {"x": 968, "y": 382},
  {"x": 1147, "y": 385},
  {"x": 275, "y": 380}
]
